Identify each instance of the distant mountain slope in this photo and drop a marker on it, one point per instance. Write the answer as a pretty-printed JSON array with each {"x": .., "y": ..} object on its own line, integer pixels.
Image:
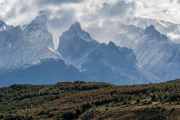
[
  {"x": 47, "y": 71},
  {"x": 102, "y": 62},
  {"x": 171, "y": 30},
  {"x": 155, "y": 42},
  {"x": 154, "y": 51},
  {"x": 159, "y": 55}
]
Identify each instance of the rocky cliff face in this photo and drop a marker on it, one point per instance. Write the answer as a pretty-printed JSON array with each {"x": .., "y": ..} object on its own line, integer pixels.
[
  {"x": 27, "y": 46},
  {"x": 102, "y": 62},
  {"x": 27, "y": 56}
]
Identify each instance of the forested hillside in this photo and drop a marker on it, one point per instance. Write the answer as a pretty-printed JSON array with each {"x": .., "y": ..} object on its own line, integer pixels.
[{"x": 90, "y": 100}]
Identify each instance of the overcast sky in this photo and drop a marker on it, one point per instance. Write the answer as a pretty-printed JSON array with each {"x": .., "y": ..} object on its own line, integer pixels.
[{"x": 62, "y": 13}]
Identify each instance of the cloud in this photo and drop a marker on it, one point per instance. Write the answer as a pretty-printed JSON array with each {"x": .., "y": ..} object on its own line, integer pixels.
[
  {"x": 159, "y": 9},
  {"x": 55, "y": 2},
  {"x": 60, "y": 12},
  {"x": 94, "y": 15},
  {"x": 60, "y": 22},
  {"x": 100, "y": 22},
  {"x": 17, "y": 12},
  {"x": 118, "y": 9}
]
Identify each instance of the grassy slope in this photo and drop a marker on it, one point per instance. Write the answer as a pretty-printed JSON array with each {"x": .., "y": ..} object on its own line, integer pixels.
[{"x": 81, "y": 100}]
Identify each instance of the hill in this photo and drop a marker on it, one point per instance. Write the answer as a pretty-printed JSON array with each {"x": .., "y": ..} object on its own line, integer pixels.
[{"x": 91, "y": 100}]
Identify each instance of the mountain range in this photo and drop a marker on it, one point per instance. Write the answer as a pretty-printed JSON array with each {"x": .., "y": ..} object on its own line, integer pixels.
[
  {"x": 28, "y": 56},
  {"x": 155, "y": 51},
  {"x": 100, "y": 61}
]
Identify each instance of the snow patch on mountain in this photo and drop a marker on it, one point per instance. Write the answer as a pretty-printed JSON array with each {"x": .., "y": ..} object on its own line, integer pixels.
[
  {"x": 155, "y": 52},
  {"x": 27, "y": 56},
  {"x": 23, "y": 47},
  {"x": 171, "y": 30}
]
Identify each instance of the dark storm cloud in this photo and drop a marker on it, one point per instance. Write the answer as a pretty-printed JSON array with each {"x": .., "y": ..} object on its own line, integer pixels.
[{"x": 120, "y": 8}]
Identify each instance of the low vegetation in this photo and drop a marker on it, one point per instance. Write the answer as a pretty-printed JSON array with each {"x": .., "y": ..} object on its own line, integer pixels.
[{"x": 90, "y": 100}]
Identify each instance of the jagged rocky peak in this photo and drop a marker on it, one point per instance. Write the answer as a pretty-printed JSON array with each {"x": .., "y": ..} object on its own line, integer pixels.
[
  {"x": 36, "y": 33},
  {"x": 75, "y": 42},
  {"x": 151, "y": 30},
  {"x": 39, "y": 22},
  {"x": 76, "y": 26},
  {"x": 112, "y": 45},
  {"x": 27, "y": 46},
  {"x": 4, "y": 26},
  {"x": 124, "y": 51},
  {"x": 2, "y": 23},
  {"x": 41, "y": 18},
  {"x": 115, "y": 47},
  {"x": 76, "y": 30}
]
